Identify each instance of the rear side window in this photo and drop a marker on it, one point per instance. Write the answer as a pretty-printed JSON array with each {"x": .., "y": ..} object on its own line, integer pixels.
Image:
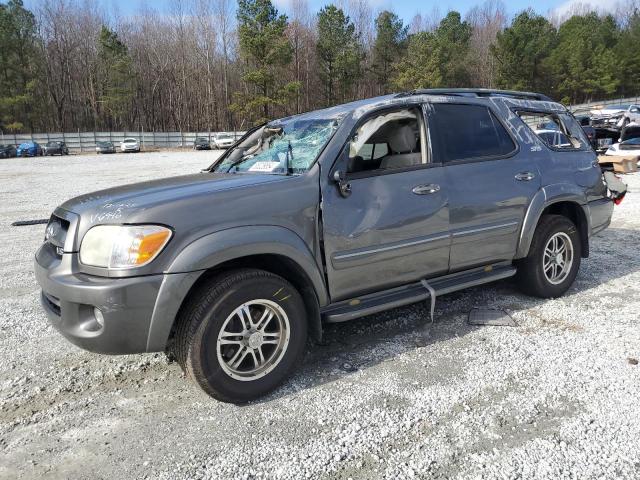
[
  {"x": 557, "y": 131},
  {"x": 464, "y": 132}
]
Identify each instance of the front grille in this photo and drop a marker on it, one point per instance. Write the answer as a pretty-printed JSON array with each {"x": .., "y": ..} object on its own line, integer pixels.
[{"x": 52, "y": 302}]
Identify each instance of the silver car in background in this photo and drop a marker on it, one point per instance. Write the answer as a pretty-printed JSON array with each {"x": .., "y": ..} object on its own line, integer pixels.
[
  {"x": 222, "y": 141},
  {"x": 129, "y": 145}
]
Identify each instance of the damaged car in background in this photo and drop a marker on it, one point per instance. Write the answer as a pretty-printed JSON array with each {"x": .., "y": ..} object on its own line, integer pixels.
[
  {"x": 615, "y": 115},
  {"x": 320, "y": 218}
]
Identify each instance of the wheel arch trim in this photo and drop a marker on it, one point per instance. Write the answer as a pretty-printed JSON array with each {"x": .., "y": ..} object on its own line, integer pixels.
[
  {"x": 221, "y": 247},
  {"x": 545, "y": 198}
]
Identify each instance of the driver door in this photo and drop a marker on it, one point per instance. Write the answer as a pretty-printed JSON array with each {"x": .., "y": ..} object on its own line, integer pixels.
[{"x": 393, "y": 226}]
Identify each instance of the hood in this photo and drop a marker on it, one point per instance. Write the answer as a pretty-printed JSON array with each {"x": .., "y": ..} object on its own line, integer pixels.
[
  {"x": 113, "y": 204},
  {"x": 198, "y": 204}
]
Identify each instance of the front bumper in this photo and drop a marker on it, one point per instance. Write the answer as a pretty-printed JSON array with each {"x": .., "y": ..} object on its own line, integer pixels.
[{"x": 69, "y": 299}]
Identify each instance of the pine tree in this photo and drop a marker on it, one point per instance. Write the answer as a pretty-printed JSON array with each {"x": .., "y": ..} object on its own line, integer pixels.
[
  {"x": 583, "y": 63},
  {"x": 436, "y": 59},
  {"x": 391, "y": 38},
  {"x": 18, "y": 63},
  {"x": 339, "y": 53},
  {"x": 116, "y": 77},
  {"x": 266, "y": 52},
  {"x": 629, "y": 56},
  {"x": 521, "y": 51}
]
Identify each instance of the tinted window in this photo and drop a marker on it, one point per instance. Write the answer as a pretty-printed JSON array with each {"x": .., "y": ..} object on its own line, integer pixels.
[{"x": 464, "y": 132}]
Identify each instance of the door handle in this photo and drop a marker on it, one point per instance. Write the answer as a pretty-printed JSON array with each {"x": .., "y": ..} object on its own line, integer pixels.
[
  {"x": 525, "y": 176},
  {"x": 426, "y": 189}
]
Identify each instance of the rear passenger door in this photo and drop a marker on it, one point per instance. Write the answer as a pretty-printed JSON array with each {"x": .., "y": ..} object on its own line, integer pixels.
[{"x": 491, "y": 183}]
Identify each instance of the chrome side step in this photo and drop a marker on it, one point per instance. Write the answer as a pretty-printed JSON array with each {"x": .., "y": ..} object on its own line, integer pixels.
[{"x": 413, "y": 293}]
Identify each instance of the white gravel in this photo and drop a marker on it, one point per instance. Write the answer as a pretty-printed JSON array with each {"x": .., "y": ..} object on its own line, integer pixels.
[{"x": 555, "y": 397}]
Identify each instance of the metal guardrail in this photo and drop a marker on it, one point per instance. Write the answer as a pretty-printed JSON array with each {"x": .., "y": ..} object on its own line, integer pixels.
[{"x": 86, "y": 141}]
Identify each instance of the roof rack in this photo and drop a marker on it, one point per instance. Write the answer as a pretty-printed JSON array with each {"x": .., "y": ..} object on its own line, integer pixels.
[{"x": 477, "y": 92}]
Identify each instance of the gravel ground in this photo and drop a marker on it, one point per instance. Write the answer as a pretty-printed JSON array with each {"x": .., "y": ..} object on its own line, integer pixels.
[{"x": 555, "y": 397}]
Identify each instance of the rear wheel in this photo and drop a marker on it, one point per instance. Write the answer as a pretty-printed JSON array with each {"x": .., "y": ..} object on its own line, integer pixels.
[
  {"x": 554, "y": 258},
  {"x": 240, "y": 335}
]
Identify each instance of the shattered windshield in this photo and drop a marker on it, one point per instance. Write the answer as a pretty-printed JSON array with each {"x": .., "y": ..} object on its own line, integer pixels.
[{"x": 286, "y": 147}]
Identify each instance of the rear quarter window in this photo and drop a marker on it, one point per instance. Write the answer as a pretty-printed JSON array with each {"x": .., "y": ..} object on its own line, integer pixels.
[
  {"x": 468, "y": 132},
  {"x": 559, "y": 131}
]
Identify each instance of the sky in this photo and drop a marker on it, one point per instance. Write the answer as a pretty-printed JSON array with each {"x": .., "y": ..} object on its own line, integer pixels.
[{"x": 405, "y": 8}]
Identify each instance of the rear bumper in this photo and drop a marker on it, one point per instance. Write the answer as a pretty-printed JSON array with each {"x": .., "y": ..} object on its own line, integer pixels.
[
  {"x": 69, "y": 300},
  {"x": 600, "y": 212}
]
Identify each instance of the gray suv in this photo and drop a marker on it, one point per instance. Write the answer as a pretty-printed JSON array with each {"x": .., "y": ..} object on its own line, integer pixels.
[{"x": 324, "y": 217}]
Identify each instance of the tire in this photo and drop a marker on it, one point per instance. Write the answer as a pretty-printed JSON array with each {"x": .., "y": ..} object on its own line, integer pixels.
[
  {"x": 531, "y": 276},
  {"x": 214, "y": 308}
]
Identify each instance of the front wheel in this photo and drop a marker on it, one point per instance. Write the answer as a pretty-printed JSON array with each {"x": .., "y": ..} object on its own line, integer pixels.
[
  {"x": 240, "y": 335},
  {"x": 554, "y": 258}
]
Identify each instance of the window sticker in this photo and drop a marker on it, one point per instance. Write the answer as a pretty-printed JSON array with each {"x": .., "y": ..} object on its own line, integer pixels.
[{"x": 264, "y": 166}]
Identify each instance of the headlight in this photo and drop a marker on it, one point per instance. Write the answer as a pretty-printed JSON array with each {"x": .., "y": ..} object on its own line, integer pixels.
[{"x": 123, "y": 246}]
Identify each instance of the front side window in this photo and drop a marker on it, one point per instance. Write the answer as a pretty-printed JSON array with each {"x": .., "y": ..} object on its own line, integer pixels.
[
  {"x": 468, "y": 132},
  {"x": 388, "y": 141},
  {"x": 288, "y": 147}
]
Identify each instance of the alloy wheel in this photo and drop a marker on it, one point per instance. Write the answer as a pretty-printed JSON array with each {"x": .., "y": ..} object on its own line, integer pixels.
[
  {"x": 253, "y": 340},
  {"x": 558, "y": 258}
]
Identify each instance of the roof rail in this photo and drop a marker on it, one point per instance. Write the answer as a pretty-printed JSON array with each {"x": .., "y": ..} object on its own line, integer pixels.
[{"x": 477, "y": 92}]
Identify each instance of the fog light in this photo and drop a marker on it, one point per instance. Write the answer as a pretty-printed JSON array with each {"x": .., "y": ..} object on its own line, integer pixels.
[{"x": 99, "y": 316}]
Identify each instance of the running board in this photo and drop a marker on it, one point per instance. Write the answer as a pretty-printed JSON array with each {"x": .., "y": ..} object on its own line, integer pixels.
[{"x": 413, "y": 293}]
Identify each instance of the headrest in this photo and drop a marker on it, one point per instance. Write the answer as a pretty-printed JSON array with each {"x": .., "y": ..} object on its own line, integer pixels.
[{"x": 403, "y": 140}]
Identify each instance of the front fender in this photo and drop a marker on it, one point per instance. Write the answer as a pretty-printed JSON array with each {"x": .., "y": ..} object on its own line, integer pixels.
[
  {"x": 217, "y": 248},
  {"x": 545, "y": 197}
]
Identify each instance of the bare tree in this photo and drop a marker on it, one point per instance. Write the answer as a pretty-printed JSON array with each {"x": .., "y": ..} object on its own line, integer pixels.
[{"x": 486, "y": 20}]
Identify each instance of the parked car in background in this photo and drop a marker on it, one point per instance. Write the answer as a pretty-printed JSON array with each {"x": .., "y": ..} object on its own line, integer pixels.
[
  {"x": 105, "y": 147},
  {"x": 605, "y": 137},
  {"x": 56, "y": 148},
  {"x": 130, "y": 145},
  {"x": 629, "y": 147},
  {"x": 7, "y": 151},
  {"x": 29, "y": 149},
  {"x": 223, "y": 141},
  {"x": 589, "y": 130},
  {"x": 201, "y": 143},
  {"x": 608, "y": 116},
  {"x": 631, "y": 115},
  {"x": 629, "y": 142},
  {"x": 331, "y": 215}
]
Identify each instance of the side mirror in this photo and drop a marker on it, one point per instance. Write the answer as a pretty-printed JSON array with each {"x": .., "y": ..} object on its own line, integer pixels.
[{"x": 343, "y": 186}]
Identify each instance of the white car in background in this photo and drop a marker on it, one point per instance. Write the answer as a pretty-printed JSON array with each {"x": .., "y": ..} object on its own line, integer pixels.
[
  {"x": 631, "y": 115},
  {"x": 616, "y": 115},
  {"x": 222, "y": 141},
  {"x": 130, "y": 145},
  {"x": 628, "y": 148},
  {"x": 629, "y": 142}
]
